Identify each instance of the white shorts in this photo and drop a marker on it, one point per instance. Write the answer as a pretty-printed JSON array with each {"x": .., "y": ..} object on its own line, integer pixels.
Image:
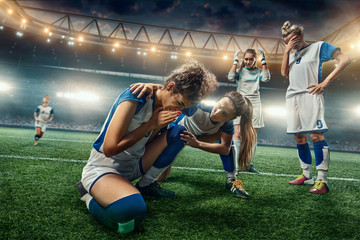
[
  {"x": 99, "y": 165},
  {"x": 305, "y": 113},
  {"x": 42, "y": 125},
  {"x": 258, "y": 120}
]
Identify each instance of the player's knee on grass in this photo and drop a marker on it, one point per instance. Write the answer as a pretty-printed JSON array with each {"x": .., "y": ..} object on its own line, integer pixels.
[{"x": 123, "y": 215}]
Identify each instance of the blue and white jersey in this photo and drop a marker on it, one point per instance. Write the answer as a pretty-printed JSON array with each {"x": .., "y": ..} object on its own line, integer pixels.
[
  {"x": 306, "y": 66},
  {"x": 43, "y": 113},
  {"x": 197, "y": 121},
  {"x": 248, "y": 80},
  {"x": 143, "y": 114}
]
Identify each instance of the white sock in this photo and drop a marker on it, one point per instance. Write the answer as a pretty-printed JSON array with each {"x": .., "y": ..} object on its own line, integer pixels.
[
  {"x": 231, "y": 176},
  {"x": 322, "y": 175},
  {"x": 237, "y": 146}
]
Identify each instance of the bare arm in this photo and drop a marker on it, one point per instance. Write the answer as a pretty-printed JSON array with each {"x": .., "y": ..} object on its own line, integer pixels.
[
  {"x": 221, "y": 148},
  {"x": 51, "y": 117},
  {"x": 343, "y": 60},
  {"x": 285, "y": 62},
  {"x": 117, "y": 140}
]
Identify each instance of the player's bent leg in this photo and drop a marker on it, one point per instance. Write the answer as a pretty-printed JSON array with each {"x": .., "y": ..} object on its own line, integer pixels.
[
  {"x": 147, "y": 185},
  {"x": 116, "y": 203},
  {"x": 123, "y": 215}
]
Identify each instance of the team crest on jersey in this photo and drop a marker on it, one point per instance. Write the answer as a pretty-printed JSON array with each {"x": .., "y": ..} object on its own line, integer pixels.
[
  {"x": 298, "y": 60},
  {"x": 319, "y": 124}
]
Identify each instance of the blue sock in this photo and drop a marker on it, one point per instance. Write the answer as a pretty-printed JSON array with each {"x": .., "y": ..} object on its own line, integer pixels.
[
  {"x": 37, "y": 137},
  {"x": 228, "y": 161},
  {"x": 322, "y": 159},
  {"x": 175, "y": 144},
  {"x": 318, "y": 150},
  {"x": 174, "y": 147},
  {"x": 305, "y": 158},
  {"x": 123, "y": 215}
]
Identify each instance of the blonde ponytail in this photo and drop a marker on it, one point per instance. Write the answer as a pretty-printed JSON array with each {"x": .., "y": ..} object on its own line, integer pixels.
[
  {"x": 287, "y": 28},
  {"x": 248, "y": 137}
]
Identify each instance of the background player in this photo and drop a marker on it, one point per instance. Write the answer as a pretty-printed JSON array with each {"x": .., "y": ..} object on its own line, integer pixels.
[
  {"x": 302, "y": 63},
  {"x": 43, "y": 115},
  {"x": 248, "y": 78}
]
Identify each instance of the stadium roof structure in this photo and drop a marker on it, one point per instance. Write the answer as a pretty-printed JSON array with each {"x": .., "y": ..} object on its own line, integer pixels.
[{"x": 105, "y": 31}]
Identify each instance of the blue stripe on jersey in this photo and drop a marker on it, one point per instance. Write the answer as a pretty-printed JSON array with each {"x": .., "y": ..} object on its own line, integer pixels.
[
  {"x": 191, "y": 110},
  {"x": 124, "y": 96},
  {"x": 52, "y": 111},
  {"x": 37, "y": 110},
  {"x": 326, "y": 52},
  {"x": 228, "y": 127}
]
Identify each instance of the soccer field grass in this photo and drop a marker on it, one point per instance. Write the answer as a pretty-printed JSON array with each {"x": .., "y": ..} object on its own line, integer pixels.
[{"x": 39, "y": 200}]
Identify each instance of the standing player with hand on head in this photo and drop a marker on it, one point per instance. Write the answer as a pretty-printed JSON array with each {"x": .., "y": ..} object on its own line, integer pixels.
[
  {"x": 248, "y": 78},
  {"x": 302, "y": 63},
  {"x": 43, "y": 115}
]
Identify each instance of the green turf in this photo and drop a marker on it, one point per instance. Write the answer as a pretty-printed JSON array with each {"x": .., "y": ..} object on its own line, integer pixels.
[{"x": 39, "y": 200}]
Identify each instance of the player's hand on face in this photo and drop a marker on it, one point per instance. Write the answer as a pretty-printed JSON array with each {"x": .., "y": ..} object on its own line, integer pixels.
[
  {"x": 295, "y": 40},
  {"x": 162, "y": 118},
  {"x": 189, "y": 139}
]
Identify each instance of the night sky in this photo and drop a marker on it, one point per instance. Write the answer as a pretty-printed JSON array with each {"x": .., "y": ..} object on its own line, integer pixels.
[{"x": 244, "y": 17}]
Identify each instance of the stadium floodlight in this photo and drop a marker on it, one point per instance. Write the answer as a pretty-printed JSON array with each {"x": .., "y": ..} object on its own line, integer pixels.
[
  {"x": 113, "y": 50},
  {"x": 4, "y": 87},
  {"x": 208, "y": 102},
  {"x": 10, "y": 11},
  {"x": 81, "y": 38},
  {"x": 46, "y": 30},
  {"x": 19, "y": 34},
  {"x": 48, "y": 40},
  {"x": 352, "y": 46},
  {"x": 153, "y": 49},
  {"x": 23, "y": 20},
  {"x": 225, "y": 57},
  {"x": 116, "y": 44},
  {"x": 1, "y": 27},
  {"x": 276, "y": 111},
  {"x": 188, "y": 54}
]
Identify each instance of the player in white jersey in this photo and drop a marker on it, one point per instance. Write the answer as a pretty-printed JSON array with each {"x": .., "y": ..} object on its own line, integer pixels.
[
  {"x": 42, "y": 114},
  {"x": 248, "y": 78},
  {"x": 206, "y": 125},
  {"x": 302, "y": 63},
  {"x": 129, "y": 147}
]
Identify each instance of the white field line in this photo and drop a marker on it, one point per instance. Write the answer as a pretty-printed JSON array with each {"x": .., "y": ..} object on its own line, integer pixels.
[
  {"x": 174, "y": 167},
  {"x": 50, "y": 139}
]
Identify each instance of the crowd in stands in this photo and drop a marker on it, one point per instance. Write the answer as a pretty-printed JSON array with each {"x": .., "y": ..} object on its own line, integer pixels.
[{"x": 271, "y": 135}]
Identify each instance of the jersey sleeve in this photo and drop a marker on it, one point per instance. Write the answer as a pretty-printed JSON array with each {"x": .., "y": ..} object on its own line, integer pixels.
[
  {"x": 128, "y": 96},
  {"x": 326, "y": 52},
  {"x": 228, "y": 127},
  {"x": 52, "y": 111},
  {"x": 191, "y": 110},
  {"x": 37, "y": 110}
]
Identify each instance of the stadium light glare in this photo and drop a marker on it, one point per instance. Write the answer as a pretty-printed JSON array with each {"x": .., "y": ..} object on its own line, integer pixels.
[
  {"x": 10, "y": 11},
  {"x": 276, "y": 111},
  {"x": 19, "y": 34},
  {"x": 153, "y": 49},
  {"x": 80, "y": 96},
  {"x": 357, "y": 110},
  {"x": 46, "y": 30},
  {"x": 208, "y": 102},
  {"x": 24, "y": 20},
  {"x": 81, "y": 38},
  {"x": 225, "y": 57},
  {"x": 1, "y": 27},
  {"x": 4, "y": 87},
  {"x": 352, "y": 46},
  {"x": 188, "y": 54},
  {"x": 116, "y": 44},
  {"x": 113, "y": 50}
]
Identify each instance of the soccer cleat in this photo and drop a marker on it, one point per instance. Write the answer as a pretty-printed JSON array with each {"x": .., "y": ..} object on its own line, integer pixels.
[
  {"x": 320, "y": 187},
  {"x": 36, "y": 143},
  {"x": 300, "y": 180},
  {"x": 154, "y": 192},
  {"x": 237, "y": 187},
  {"x": 252, "y": 169}
]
